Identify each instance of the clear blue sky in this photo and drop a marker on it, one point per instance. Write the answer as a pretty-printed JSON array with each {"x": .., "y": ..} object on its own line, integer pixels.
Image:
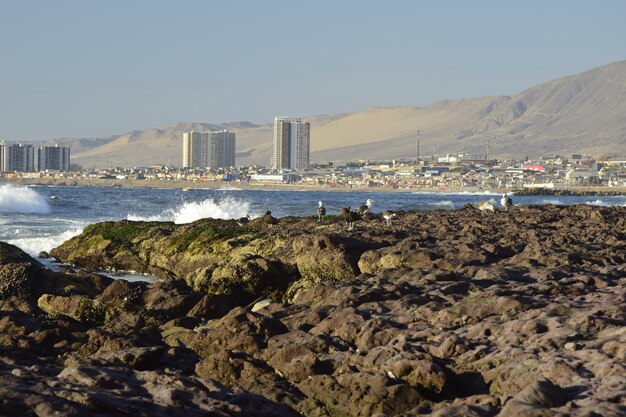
[{"x": 76, "y": 68}]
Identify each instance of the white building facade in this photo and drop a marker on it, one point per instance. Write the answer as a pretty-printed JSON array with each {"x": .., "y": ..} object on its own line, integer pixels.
[
  {"x": 292, "y": 143},
  {"x": 17, "y": 157},
  {"x": 209, "y": 149},
  {"x": 55, "y": 158}
]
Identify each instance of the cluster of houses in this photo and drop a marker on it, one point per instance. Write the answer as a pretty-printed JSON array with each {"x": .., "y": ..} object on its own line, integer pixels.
[{"x": 458, "y": 172}]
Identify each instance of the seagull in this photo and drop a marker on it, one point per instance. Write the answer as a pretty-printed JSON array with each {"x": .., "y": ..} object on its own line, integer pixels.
[
  {"x": 243, "y": 220},
  {"x": 485, "y": 205},
  {"x": 506, "y": 202},
  {"x": 366, "y": 207},
  {"x": 321, "y": 212},
  {"x": 269, "y": 219},
  {"x": 388, "y": 215},
  {"x": 349, "y": 216}
]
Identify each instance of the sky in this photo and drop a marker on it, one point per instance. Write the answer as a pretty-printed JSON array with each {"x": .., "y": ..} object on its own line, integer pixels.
[{"x": 75, "y": 68}]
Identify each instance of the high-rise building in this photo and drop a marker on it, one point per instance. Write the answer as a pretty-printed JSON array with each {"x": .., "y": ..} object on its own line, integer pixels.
[
  {"x": 53, "y": 158},
  {"x": 209, "y": 149},
  {"x": 194, "y": 154},
  {"x": 292, "y": 143},
  {"x": 222, "y": 149},
  {"x": 17, "y": 157}
]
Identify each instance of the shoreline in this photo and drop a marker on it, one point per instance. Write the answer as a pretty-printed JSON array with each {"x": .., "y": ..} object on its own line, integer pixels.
[{"x": 226, "y": 185}]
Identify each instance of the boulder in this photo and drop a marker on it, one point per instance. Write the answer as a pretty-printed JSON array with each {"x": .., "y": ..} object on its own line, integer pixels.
[{"x": 77, "y": 307}]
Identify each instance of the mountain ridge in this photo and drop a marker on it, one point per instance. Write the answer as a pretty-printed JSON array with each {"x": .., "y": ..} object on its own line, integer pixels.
[{"x": 579, "y": 113}]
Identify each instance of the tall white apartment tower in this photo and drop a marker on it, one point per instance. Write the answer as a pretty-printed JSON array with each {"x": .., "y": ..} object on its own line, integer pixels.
[
  {"x": 53, "y": 158},
  {"x": 209, "y": 149},
  {"x": 17, "y": 157},
  {"x": 222, "y": 149},
  {"x": 292, "y": 143}
]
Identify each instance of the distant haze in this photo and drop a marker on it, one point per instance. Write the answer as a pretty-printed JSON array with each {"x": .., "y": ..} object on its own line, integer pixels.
[{"x": 583, "y": 113}]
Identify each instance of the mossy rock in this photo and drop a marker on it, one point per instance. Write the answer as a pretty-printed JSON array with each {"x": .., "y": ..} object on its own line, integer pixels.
[
  {"x": 322, "y": 258},
  {"x": 247, "y": 277},
  {"x": 77, "y": 307}
]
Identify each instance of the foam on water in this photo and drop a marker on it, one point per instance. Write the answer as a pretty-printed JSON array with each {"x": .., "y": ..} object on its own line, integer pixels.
[
  {"x": 190, "y": 211},
  {"x": 34, "y": 245},
  {"x": 553, "y": 201},
  {"x": 15, "y": 199},
  {"x": 229, "y": 188},
  {"x": 442, "y": 204}
]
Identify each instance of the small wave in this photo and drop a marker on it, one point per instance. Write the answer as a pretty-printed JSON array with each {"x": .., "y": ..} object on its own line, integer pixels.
[
  {"x": 553, "y": 201},
  {"x": 190, "y": 211},
  {"x": 455, "y": 193},
  {"x": 445, "y": 204},
  {"x": 34, "y": 245},
  {"x": 598, "y": 202},
  {"x": 14, "y": 199}
]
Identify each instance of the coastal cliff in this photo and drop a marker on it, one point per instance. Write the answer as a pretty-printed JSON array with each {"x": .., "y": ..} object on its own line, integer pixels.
[{"x": 449, "y": 313}]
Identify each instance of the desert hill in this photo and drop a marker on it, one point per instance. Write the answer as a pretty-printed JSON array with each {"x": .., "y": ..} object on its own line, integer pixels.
[{"x": 582, "y": 113}]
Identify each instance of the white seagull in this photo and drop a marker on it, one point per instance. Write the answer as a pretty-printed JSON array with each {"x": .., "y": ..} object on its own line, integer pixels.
[
  {"x": 321, "y": 212},
  {"x": 506, "y": 202},
  {"x": 366, "y": 207}
]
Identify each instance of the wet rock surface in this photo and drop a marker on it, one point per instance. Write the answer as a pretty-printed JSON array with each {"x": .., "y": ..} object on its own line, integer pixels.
[{"x": 444, "y": 313}]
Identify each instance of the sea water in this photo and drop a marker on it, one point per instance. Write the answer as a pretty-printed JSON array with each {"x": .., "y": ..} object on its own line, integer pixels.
[{"x": 39, "y": 218}]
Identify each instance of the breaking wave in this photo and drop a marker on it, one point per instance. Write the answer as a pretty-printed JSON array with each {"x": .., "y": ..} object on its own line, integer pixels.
[
  {"x": 14, "y": 199},
  {"x": 228, "y": 208},
  {"x": 34, "y": 245}
]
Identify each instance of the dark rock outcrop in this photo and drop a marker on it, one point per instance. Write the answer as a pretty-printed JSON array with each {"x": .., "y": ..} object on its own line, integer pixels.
[{"x": 447, "y": 313}]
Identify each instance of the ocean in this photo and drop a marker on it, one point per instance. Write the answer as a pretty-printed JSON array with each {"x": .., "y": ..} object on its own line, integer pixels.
[{"x": 39, "y": 218}]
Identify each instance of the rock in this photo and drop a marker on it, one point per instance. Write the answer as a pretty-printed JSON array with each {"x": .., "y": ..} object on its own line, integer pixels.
[
  {"x": 246, "y": 277},
  {"x": 139, "y": 358},
  {"x": 212, "y": 306},
  {"x": 322, "y": 258},
  {"x": 78, "y": 307},
  {"x": 239, "y": 330},
  {"x": 544, "y": 393},
  {"x": 447, "y": 313},
  {"x": 19, "y": 273}
]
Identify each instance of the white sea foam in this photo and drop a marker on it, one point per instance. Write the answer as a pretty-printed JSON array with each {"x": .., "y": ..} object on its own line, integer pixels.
[
  {"x": 444, "y": 204},
  {"x": 551, "y": 201},
  {"x": 34, "y": 245},
  {"x": 455, "y": 193},
  {"x": 190, "y": 211},
  {"x": 598, "y": 202},
  {"x": 15, "y": 199},
  {"x": 229, "y": 188}
]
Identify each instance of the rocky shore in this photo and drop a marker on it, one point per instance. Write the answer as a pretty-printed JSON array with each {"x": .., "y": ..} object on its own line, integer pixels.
[{"x": 442, "y": 313}]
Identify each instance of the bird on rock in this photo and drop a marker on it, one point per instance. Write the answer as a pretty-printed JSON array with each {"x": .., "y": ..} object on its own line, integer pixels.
[
  {"x": 243, "y": 220},
  {"x": 365, "y": 208},
  {"x": 506, "y": 202},
  {"x": 321, "y": 212},
  {"x": 484, "y": 206},
  {"x": 388, "y": 215},
  {"x": 269, "y": 219},
  {"x": 350, "y": 216}
]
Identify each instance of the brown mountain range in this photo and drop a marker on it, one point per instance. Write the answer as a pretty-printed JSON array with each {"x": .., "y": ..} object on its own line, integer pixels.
[{"x": 582, "y": 113}]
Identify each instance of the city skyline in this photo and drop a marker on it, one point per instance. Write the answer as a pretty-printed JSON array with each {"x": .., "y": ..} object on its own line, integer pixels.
[{"x": 367, "y": 55}]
